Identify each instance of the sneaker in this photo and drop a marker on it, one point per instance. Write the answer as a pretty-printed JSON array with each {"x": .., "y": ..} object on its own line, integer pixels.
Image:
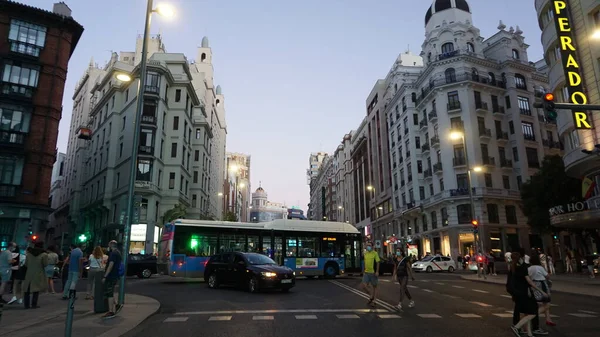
[
  {"x": 118, "y": 308},
  {"x": 411, "y": 304},
  {"x": 540, "y": 332},
  {"x": 515, "y": 330},
  {"x": 108, "y": 315},
  {"x": 20, "y": 301},
  {"x": 399, "y": 307},
  {"x": 13, "y": 300}
]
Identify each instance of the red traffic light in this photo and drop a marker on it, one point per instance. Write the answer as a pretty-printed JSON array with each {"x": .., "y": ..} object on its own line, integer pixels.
[
  {"x": 549, "y": 97},
  {"x": 34, "y": 237},
  {"x": 479, "y": 259},
  {"x": 475, "y": 223}
]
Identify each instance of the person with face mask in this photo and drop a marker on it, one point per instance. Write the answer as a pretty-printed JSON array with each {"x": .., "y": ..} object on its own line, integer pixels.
[
  {"x": 6, "y": 262},
  {"x": 110, "y": 278},
  {"x": 402, "y": 272},
  {"x": 370, "y": 272}
]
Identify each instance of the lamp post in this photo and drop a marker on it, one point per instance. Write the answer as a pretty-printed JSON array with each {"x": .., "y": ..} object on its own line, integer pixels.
[
  {"x": 456, "y": 135},
  {"x": 166, "y": 11}
]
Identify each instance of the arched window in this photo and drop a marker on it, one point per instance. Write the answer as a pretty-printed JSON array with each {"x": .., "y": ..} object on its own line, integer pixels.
[
  {"x": 447, "y": 47},
  {"x": 395, "y": 87},
  {"x": 429, "y": 57},
  {"x": 413, "y": 97},
  {"x": 450, "y": 75},
  {"x": 470, "y": 47},
  {"x": 425, "y": 223},
  {"x": 464, "y": 213},
  {"x": 403, "y": 103},
  {"x": 515, "y": 54},
  {"x": 203, "y": 57},
  {"x": 475, "y": 74},
  {"x": 520, "y": 82},
  {"x": 492, "y": 78},
  {"x": 218, "y": 102}
]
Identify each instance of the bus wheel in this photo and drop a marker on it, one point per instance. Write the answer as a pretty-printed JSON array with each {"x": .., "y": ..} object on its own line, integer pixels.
[
  {"x": 212, "y": 281},
  {"x": 331, "y": 270}
]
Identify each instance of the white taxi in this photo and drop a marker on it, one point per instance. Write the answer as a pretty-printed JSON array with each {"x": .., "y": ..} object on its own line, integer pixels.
[{"x": 435, "y": 263}]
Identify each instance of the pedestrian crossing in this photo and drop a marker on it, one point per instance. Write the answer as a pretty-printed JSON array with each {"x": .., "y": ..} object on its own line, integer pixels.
[{"x": 348, "y": 314}]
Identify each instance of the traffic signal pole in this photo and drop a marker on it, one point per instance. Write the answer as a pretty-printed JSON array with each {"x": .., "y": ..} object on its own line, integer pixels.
[{"x": 570, "y": 106}]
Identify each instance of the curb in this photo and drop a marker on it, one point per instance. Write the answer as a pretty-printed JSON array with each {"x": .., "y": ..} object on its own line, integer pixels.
[
  {"x": 553, "y": 290},
  {"x": 121, "y": 330}
]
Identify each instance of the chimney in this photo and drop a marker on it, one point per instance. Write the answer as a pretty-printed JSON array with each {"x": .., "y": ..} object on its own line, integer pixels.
[{"x": 61, "y": 8}]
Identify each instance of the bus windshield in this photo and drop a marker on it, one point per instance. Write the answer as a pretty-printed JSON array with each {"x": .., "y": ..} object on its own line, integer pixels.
[{"x": 257, "y": 259}]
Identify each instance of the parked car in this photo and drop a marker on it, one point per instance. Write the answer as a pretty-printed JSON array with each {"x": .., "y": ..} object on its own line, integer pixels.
[
  {"x": 435, "y": 263},
  {"x": 248, "y": 270},
  {"x": 142, "y": 266}
]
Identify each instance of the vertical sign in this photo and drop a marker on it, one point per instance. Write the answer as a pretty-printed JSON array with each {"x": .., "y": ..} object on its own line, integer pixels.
[
  {"x": 571, "y": 66},
  {"x": 323, "y": 208}
]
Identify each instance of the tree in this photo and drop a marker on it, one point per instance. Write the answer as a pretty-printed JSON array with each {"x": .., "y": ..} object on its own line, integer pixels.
[
  {"x": 230, "y": 216},
  {"x": 177, "y": 212},
  {"x": 548, "y": 187}
]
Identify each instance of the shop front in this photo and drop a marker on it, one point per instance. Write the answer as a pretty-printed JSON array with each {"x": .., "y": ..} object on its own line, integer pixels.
[{"x": 140, "y": 242}]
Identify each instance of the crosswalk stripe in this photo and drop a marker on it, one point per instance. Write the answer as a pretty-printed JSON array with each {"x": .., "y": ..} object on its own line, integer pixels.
[
  {"x": 411, "y": 286},
  {"x": 504, "y": 315},
  {"x": 468, "y": 315},
  {"x": 175, "y": 319},
  {"x": 306, "y": 316},
  {"x": 388, "y": 316},
  {"x": 386, "y": 281},
  {"x": 481, "y": 291},
  {"x": 427, "y": 290},
  {"x": 440, "y": 283},
  {"x": 507, "y": 296},
  {"x": 458, "y": 287},
  {"x": 588, "y": 312},
  {"x": 347, "y": 316},
  {"x": 481, "y": 304},
  {"x": 263, "y": 318},
  {"x": 451, "y": 296},
  {"x": 220, "y": 318},
  {"x": 581, "y": 315},
  {"x": 429, "y": 316}
]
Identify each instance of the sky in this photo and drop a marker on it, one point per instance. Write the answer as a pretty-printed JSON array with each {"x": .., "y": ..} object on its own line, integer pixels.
[{"x": 295, "y": 74}]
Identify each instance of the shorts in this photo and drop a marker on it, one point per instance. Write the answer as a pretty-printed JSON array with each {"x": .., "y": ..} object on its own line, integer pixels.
[
  {"x": 109, "y": 288},
  {"x": 5, "y": 275},
  {"x": 49, "y": 271},
  {"x": 370, "y": 278}
]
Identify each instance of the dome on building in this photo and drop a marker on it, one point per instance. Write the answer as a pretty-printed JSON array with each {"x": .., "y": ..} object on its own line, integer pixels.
[
  {"x": 260, "y": 190},
  {"x": 205, "y": 42},
  {"x": 442, "y": 5}
]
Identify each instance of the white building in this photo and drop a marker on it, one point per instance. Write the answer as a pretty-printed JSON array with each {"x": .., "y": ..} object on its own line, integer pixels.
[
  {"x": 264, "y": 210},
  {"x": 181, "y": 146},
  {"x": 483, "y": 88},
  {"x": 236, "y": 188}
]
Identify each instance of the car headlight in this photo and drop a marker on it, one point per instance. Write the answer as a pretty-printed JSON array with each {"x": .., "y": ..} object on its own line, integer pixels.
[
  {"x": 268, "y": 274},
  {"x": 294, "y": 273}
]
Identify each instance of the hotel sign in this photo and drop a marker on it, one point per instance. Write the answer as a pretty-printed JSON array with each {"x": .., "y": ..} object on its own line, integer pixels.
[
  {"x": 571, "y": 66},
  {"x": 574, "y": 207}
]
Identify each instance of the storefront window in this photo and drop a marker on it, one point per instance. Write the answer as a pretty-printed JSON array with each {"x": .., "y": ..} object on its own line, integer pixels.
[{"x": 307, "y": 247}]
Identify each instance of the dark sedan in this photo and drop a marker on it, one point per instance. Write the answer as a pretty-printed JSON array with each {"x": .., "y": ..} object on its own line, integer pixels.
[{"x": 248, "y": 270}]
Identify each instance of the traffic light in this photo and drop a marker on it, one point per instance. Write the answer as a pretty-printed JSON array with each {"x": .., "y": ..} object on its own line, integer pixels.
[
  {"x": 82, "y": 238},
  {"x": 34, "y": 238},
  {"x": 475, "y": 224},
  {"x": 547, "y": 104}
]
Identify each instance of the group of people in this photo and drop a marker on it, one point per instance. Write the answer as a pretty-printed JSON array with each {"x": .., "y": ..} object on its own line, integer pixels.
[{"x": 33, "y": 272}]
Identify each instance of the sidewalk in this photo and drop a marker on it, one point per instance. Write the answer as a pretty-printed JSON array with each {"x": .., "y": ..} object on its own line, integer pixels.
[
  {"x": 49, "y": 319},
  {"x": 571, "y": 284}
]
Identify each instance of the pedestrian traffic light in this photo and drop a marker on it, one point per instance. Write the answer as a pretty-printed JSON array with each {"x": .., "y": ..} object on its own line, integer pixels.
[{"x": 82, "y": 238}]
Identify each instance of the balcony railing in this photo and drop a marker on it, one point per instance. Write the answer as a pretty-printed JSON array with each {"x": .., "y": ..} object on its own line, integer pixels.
[
  {"x": 146, "y": 150},
  {"x": 427, "y": 173},
  {"x": 8, "y": 191},
  {"x": 497, "y": 109},
  {"x": 146, "y": 119},
  {"x": 443, "y": 80},
  {"x": 423, "y": 123},
  {"x": 453, "y": 106},
  {"x": 12, "y": 137},
  {"x": 152, "y": 89},
  {"x": 501, "y": 135},
  {"x": 432, "y": 115},
  {"x": 435, "y": 140},
  {"x": 485, "y": 133},
  {"x": 525, "y": 112},
  {"x": 459, "y": 161},
  {"x": 425, "y": 147},
  {"x": 481, "y": 106},
  {"x": 529, "y": 137},
  {"x": 17, "y": 90},
  {"x": 491, "y": 161},
  {"x": 506, "y": 163},
  {"x": 459, "y": 192},
  {"x": 437, "y": 167}
]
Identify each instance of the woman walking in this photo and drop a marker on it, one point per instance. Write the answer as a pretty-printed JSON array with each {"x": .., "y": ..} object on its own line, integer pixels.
[
  {"x": 518, "y": 285},
  {"x": 539, "y": 276},
  {"x": 52, "y": 261},
  {"x": 35, "y": 276},
  {"x": 96, "y": 266},
  {"x": 402, "y": 272}
]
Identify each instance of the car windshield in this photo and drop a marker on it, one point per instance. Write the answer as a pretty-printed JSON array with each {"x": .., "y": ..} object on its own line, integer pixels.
[
  {"x": 258, "y": 259},
  {"x": 427, "y": 259}
]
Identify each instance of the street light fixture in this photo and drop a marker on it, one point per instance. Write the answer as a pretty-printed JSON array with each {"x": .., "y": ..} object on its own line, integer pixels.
[
  {"x": 596, "y": 34},
  {"x": 123, "y": 77},
  {"x": 477, "y": 169},
  {"x": 220, "y": 194},
  {"x": 370, "y": 188},
  {"x": 162, "y": 10}
]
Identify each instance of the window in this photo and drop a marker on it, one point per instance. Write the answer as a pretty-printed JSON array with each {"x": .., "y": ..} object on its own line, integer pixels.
[
  {"x": 444, "y": 213},
  {"x": 143, "y": 210},
  {"x": 195, "y": 177},
  {"x": 447, "y": 47},
  {"x": 177, "y": 95},
  {"x": 144, "y": 170},
  {"x": 462, "y": 181},
  {"x": 515, "y": 154},
  {"x": 196, "y": 155},
  {"x": 14, "y": 118},
  {"x": 153, "y": 82},
  {"x": 415, "y": 119},
  {"x": 511, "y": 214},
  {"x": 308, "y": 247},
  {"x": 507, "y": 101},
  {"x": 515, "y": 54},
  {"x": 453, "y": 100},
  {"x": 493, "y": 216},
  {"x": 524, "y": 107},
  {"x": 488, "y": 180},
  {"x": 511, "y": 127},
  {"x": 146, "y": 138},
  {"x": 519, "y": 182},
  {"x": 26, "y": 38},
  {"x": 171, "y": 180},
  {"x": 464, "y": 213},
  {"x": 418, "y": 142},
  {"x": 18, "y": 79},
  {"x": 194, "y": 200},
  {"x": 470, "y": 47},
  {"x": 198, "y": 133},
  {"x": 419, "y": 166},
  {"x": 450, "y": 75},
  {"x": 11, "y": 171},
  {"x": 527, "y": 131},
  {"x": 421, "y": 192},
  {"x": 533, "y": 160},
  {"x": 506, "y": 182},
  {"x": 173, "y": 150},
  {"x": 176, "y": 123},
  {"x": 520, "y": 82}
]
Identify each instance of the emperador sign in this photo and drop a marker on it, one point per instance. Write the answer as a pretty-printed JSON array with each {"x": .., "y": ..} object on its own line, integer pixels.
[{"x": 569, "y": 59}]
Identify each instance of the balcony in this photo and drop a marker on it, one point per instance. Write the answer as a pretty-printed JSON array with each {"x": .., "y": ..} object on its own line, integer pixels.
[
  {"x": 488, "y": 161},
  {"x": 497, "y": 109},
  {"x": 427, "y": 173},
  {"x": 423, "y": 123},
  {"x": 425, "y": 148},
  {"x": 501, "y": 136},
  {"x": 485, "y": 133},
  {"x": 505, "y": 163},
  {"x": 432, "y": 116},
  {"x": 152, "y": 89},
  {"x": 149, "y": 119},
  {"x": 437, "y": 168},
  {"x": 8, "y": 191},
  {"x": 435, "y": 141},
  {"x": 443, "y": 80},
  {"x": 525, "y": 112},
  {"x": 481, "y": 107},
  {"x": 19, "y": 90},
  {"x": 146, "y": 187},
  {"x": 530, "y": 138},
  {"x": 459, "y": 161},
  {"x": 460, "y": 192},
  {"x": 147, "y": 150},
  {"x": 12, "y": 138},
  {"x": 454, "y": 107}
]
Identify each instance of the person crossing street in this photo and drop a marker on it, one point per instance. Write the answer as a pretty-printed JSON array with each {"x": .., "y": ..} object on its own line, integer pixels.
[
  {"x": 402, "y": 272},
  {"x": 370, "y": 272}
]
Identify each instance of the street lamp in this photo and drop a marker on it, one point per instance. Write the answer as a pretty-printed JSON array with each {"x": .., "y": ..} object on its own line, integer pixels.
[
  {"x": 596, "y": 34},
  {"x": 166, "y": 11},
  {"x": 123, "y": 77}
]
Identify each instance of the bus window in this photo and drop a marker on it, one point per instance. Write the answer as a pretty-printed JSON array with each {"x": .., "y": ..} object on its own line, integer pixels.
[
  {"x": 307, "y": 247},
  {"x": 192, "y": 244},
  {"x": 330, "y": 247},
  {"x": 291, "y": 250},
  {"x": 253, "y": 244},
  {"x": 278, "y": 249},
  {"x": 232, "y": 242}
]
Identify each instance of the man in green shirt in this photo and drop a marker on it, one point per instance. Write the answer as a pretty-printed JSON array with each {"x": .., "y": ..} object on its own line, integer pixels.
[{"x": 370, "y": 272}]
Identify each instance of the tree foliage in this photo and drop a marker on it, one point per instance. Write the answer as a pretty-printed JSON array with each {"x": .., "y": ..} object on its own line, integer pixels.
[
  {"x": 549, "y": 187},
  {"x": 177, "y": 212},
  {"x": 230, "y": 216}
]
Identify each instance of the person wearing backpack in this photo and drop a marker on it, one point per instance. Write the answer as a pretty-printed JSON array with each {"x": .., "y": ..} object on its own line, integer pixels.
[
  {"x": 402, "y": 272},
  {"x": 114, "y": 271}
]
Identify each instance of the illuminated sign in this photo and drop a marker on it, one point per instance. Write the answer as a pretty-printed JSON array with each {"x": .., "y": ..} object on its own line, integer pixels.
[
  {"x": 572, "y": 68},
  {"x": 329, "y": 239}
]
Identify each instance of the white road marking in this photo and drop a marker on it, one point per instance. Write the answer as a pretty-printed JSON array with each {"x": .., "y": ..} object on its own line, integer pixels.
[
  {"x": 451, "y": 296},
  {"x": 389, "y": 316},
  {"x": 507, "y": 296},
  {"x": 411, "y": 286},
  {"x": 553, "y": 305},
  {"x": 283, "y": 311},
  {"x": 424, "y": 280},
  {"x": 263, "y": 318},
  {"x": 440, "y": 283},
  {"x": 468, "y": 315},
  {"x": 588, "y": 312},
  {"x": 504, "y": 315},
  {"x": 429, "y": 316},
  {"x": 427, "y": 290},
  {"x": 386, "y": 305},
  {"x": 481, "y": 291},
  {"x": 386, "y": 281},
  {"x": 220, "y": 318},
  {"x": 582, "y": 315},
  {"x": 347, "y": 316},
  {"x": 481, "y": 304},
  {"x": 306, "y": 316},
  {"x": 175, "y": 319},
  {"x": 458, "y": 287}
]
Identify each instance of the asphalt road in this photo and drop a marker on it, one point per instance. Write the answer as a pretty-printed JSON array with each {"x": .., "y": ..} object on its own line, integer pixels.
[{"x": 446, "y": 306}]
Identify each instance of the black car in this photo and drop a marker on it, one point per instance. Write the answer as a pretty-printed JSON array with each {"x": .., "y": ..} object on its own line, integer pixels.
[{"x": 248, "y": 270}]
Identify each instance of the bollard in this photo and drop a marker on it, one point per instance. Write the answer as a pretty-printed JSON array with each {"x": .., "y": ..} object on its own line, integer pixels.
[
  {"x": 100, "y": 302},
  {"x": 70, "y": 313},
  {"x": 1, "y": 309}
]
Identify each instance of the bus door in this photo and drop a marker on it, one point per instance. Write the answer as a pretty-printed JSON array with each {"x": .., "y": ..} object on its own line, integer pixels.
[{"x": 352, "y": 251}]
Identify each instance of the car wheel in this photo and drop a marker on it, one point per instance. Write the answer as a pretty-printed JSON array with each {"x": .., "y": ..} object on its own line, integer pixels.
[
  {"x": 146, "y": 273},
  {"x": 451, "y": 269},
  {"x": 253, "y": 285},
  {"x": 429, "y": 269},
  {"x": 213, "y": 283}
]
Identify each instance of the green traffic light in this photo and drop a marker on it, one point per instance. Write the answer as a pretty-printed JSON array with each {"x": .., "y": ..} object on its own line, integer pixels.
[
  {"x": 552, "y": 115},
  {"x": 82, "y": 238}
]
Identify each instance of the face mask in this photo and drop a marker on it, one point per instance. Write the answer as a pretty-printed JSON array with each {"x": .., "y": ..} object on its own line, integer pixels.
[
  {"x": 369, "y": 248},
  {"x": 398, "y": 253}
]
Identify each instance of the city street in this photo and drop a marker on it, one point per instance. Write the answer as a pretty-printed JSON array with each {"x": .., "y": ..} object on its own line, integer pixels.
[{"x": 446, "y": 305}]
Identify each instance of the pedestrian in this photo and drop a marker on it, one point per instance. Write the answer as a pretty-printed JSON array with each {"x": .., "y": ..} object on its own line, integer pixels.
[
  {"x": 568, "y": 262},
  {"x": 111, "y": 276},
  {"x": 6, "y": 262},
  {"x": 35, "y": 276},
  {"x": 96, "y": 266},
  {"x": 19, "y": 277},
  {"x": 551, "y": 269},
  {"x": 589, "y": 260},
  {"x": 370, "y": 273},
  {"x": 539, "y": 276},
  {"x": 490, "y": 263},
  {"x": 517, "y": 285},
  {"x": 52, "y": 261},
  {"x": 402, "y": 272},
  {"x": 75, "y": 270}
]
